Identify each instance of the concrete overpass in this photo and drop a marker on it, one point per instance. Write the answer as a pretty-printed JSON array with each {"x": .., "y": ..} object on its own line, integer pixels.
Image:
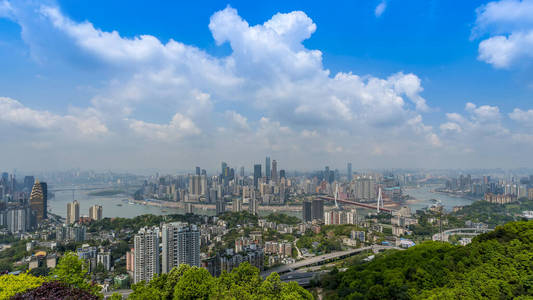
[
  {"x": 443, "y": 236},
  {"x": 324, "y": 259}
]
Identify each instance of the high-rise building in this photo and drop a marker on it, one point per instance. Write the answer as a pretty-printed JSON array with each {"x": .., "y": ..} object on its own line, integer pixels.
[
  {"x": 307, "y": 211},
  {"x": 365, "y": 189},
  {"x": 242, "y": 172},
  {"x": 181, "y": 245},
  {"x": 95, "y": 212},
  {"x": 267, "y": 168},
  {"x": 282, "y": 174},
  {"x": 237, "y": 204},
  {"x": 317, "y": 209},
  {"x": 146, "y": 245},
  {"x": 73, "y": 212},
  {"x": 44, "y": 188},
  {"x": 349, "y": 172},
  {"x": 257, "y": 175},
  {"x": 220, "y": 205},
  {"x": 104, "y": 258},
  {"x": 275, "y": 177},
  {"x": 252, "y": 205},
  {"x": 29, "y": 181},
  {"x": 37, "y": 202},
  {"x": 198, "y": 171}
]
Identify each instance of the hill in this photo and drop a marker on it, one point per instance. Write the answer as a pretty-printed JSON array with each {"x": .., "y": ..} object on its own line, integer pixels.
[{"x": 496, "y": 265}]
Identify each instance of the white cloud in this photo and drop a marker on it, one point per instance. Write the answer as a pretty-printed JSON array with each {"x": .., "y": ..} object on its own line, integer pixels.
[
  {"x": 380, "y": 9},
  {"x": 271, "y": 94},
  {"x": 86, "y": 123},
  {"x": 524, "y": 117},
  {"x": 510, "y": 24},
  {"x": 177, "y": 128}
]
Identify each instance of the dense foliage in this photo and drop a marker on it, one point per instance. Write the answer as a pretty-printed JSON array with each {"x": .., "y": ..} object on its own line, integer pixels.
[
  {"x": 281, "y": 218},
  {"x": 496, "y": 265},
  {"x": 242, "y": 283},
  {"x": 328, "y": 240},
  {"x": 134, "y": 224},
  {"x": 55, "y": 290},
  {"x": 234, "y": 219},
  {"x": 74, "y": 272},
  {"x": 13, "y": 284},
  {"x": 494, "y": 214}
]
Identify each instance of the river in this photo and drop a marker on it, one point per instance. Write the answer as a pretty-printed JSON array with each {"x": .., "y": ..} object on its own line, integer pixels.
[
  {"x": 118, "y": 206},
  {"x": 423, "y": 195}
]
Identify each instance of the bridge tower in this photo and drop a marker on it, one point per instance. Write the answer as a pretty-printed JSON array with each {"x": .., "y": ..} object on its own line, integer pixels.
[
  {"x": 380, "y": 200},
  {"x": 336, "y": 194}
]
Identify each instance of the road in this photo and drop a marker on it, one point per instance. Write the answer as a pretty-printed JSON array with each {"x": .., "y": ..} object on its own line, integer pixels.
[{"x": 323, "y": 259}]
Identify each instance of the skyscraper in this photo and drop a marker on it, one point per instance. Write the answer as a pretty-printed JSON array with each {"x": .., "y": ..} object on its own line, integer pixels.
[
  {"x": 267, "y": 168},
  {"x": 282, "y": 174},
  {"x": 252, "y": 204},
  {"x": 349, "y": 172},
  {"x": 220, "y": 205},
  {"x": 257, "y": 175},
  {"x": 73, "y": 212},
  {"x": 181, "y": 245},
  {"x": 237, "y": 204},
  {"x": 29, "y": 181},
  {"x": 317, "y": 209},
  {"x": 44, "y": 188},
  {"x": 198, "y": 170},
  {"x": 146, "y": 245},
  {"x": 307, "y": 211},
  {"x": 275, "y": 177},
  {"x": 95, "y": 212},
  {"x": 37, "y": 202}
]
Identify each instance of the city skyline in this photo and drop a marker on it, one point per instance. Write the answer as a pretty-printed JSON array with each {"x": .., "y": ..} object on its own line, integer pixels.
[{"x": 86, "y": 90}]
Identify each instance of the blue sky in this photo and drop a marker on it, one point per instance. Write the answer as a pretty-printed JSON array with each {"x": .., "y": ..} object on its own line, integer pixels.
[{"x": 379, "y": 83}]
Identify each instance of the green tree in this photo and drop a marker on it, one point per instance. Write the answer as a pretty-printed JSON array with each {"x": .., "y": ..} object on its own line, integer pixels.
[
  {"x": 74, "y": 272},
  {"x": 195, "y": 283}
]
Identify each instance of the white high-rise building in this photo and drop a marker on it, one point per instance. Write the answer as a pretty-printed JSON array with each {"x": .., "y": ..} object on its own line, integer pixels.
[
  {"x": 95, "y": 212},
  {"x": 73, "y": 212},
  {"x": 181, "y": 245},
  {"x": 146, "y": 245}
]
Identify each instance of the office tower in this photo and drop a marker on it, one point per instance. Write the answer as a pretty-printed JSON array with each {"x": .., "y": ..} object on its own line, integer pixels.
[
  {"x": 282, "y": 174},
  {"x": 220, "y": 205},
  {"x": 204, "y": 172},
  {"x": 257, "y": 175},
  {"x": 212, "y": 197},
  {"x": 181, "y": 245},
  {"x": 37, "y": 203},
  {"x": 349, "y": 173},
  {"x": 317, "y": 209},
  {"x": 198, "y": 170},
  {"x": 275, "y": 177},
  {"x": 307, "y": 211},
  {"x": 95, "y": 212},
  {"x": 146, "y": 245},
  {"x": 29, "y": 181},
  {"x": 44, "y": 188},
  {"x": 242, "y": 172},
  {"x": 73, "y": 212},
  {"x": 267, "y": 168},
  {"x": 237, "y": 204}
]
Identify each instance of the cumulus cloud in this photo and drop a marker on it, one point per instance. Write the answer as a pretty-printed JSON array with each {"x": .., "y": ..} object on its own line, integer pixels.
[
  {"x": 380, "y": 9},
  {"x": 524, "y": 117},
  {"x": 271, "y": 94},
  {"x": 510, "y": 26},
  {"x": 86, "y": 123}
]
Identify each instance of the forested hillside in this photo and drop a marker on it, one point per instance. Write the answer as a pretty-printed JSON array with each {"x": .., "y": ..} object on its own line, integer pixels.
[{"x": 496, "y": 265}]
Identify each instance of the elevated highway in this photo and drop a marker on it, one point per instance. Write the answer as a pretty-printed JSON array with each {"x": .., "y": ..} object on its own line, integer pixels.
[
  {"x": 443, "y": 236},
  {"x": 324, "y": 259}
]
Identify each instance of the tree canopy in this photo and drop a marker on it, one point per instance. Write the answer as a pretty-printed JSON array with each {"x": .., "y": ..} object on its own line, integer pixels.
[{"x": 496, "y": 265}]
